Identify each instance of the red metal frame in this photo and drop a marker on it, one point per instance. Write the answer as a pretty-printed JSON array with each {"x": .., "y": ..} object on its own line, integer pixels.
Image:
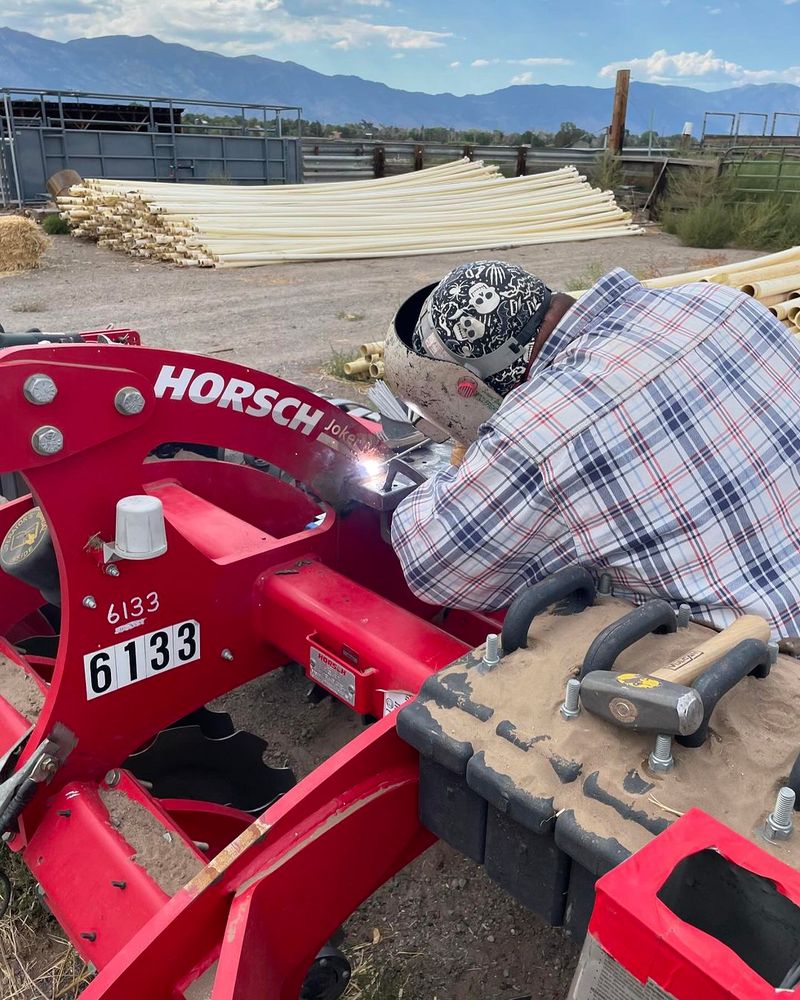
[
  {"x": 265, "y": 588},
  {"x": 645, "y": 937},
  {"x": 248, "y": 559}
]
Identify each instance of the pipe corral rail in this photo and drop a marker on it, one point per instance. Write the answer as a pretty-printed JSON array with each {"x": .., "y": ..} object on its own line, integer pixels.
[{"x": 350, "y": 159}]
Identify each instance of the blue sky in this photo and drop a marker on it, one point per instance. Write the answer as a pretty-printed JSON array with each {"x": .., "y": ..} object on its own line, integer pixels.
[{"x": 462, "y": 46}]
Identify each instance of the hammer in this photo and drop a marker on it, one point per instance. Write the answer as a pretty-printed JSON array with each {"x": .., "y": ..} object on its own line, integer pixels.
[{"x": 662, "y": 701}]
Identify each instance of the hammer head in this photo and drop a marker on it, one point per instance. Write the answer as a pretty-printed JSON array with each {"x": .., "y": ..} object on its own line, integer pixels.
[{"x": 641, "y": 703}]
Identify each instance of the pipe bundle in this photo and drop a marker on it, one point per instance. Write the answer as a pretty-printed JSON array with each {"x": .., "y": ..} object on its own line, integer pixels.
[
  {"x": 774, "y": 280},
  {"x": 462, "y": 206},
  {"x": 369, "y": 363}
]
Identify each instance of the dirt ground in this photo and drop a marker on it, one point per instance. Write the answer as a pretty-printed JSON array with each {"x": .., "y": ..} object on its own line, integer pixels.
[
  {"x": 440, "y": 930},
  {"x": 284, "y": 318}
]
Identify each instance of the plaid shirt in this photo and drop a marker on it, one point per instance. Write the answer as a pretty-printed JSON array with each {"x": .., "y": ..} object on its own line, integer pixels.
[{"x": 657, "y": 438}]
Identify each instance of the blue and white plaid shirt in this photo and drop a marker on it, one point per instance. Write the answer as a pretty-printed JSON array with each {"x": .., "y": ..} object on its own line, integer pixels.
[{"x": 657, "y": 438}]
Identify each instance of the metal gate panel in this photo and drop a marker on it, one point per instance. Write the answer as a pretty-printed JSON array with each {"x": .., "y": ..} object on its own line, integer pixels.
[{"x": 239, "y": 154}]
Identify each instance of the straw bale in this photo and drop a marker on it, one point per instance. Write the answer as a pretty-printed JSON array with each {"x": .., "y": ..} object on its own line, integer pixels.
[{"x": 22, "y": 243}]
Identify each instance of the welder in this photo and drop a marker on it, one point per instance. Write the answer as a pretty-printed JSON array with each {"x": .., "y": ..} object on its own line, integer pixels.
[{"x": 651, "y": 435}]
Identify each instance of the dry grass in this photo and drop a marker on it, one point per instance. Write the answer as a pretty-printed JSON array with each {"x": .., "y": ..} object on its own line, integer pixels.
[
  {"x": 371, "y": 980},
  {"x": 22, "y": 243},
  {"x": 594, "y": 271},
  {"x": 334, "y": 366},
  {"x": 36, "y": 960},
  {"x": 28, "y": 307}
]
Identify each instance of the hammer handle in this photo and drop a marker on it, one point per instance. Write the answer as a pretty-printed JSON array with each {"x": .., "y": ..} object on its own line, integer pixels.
[{"x": 688, "y": 667}]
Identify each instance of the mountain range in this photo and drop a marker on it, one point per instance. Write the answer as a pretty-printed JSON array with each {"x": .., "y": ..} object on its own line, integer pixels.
[{"x": 122, "y": 64}]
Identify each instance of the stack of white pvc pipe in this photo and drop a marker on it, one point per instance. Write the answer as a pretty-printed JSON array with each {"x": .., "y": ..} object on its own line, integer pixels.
[
  {"x": 774, "y": 280},
  {"x": 462, "y": 206}
]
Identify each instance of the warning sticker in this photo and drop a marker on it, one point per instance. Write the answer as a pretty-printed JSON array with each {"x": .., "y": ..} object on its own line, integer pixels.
[
  {"x": 333, "y": 676},
  {"x": 599, "y": 977},
  {"x": 394, "y": 699}
]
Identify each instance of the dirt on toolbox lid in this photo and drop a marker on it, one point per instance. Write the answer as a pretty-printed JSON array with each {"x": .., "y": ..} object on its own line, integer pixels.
[{"x": 531, "y": 763}]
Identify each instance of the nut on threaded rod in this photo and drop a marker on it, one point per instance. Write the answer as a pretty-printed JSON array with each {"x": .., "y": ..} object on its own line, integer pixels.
[
  {"x": 491, "y": 656},
  {"x": 571, "y": 707},
  {"x": 661, "y": 759},
  {"x": 605, "y": 584},
  {"x": 780, "y": 822}
]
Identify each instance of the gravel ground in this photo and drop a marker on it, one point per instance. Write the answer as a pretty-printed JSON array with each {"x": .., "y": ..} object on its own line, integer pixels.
[
  {"x": 284, "y": 318},
  {"x": 440, "y": 930}
]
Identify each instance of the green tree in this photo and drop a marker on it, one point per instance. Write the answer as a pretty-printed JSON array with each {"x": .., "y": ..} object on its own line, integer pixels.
[{"x": 568, "y": 134}]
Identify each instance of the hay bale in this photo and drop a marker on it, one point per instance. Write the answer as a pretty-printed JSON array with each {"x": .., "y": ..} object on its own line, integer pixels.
[{"x": 22, "y": 243}]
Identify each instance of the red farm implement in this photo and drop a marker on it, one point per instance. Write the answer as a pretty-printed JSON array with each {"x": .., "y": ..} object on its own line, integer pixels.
[{"x": 190, "y": 525}]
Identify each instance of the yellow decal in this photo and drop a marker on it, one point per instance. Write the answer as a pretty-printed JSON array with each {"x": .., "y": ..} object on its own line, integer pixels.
[
  {"x": 23, "y": 537},
  {"x": 638, "y": 681}
]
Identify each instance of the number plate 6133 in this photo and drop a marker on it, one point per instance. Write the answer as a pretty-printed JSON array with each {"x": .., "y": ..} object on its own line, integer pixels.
[{"x": 141, "y": 657}]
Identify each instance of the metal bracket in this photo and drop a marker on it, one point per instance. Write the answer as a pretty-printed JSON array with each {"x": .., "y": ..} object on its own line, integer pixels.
[{"x": 18, "y": 789}]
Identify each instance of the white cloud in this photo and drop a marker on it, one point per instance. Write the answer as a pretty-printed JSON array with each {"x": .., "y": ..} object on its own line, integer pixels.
[
  {"x": 399, "y": 55},
  {"x": 370, "y": 3},
  {"x": 713, "y": 10},
  {"x": 233, "y": 27},
  {"x": 455, "y": 64},
  {"x": 521, "y": 78},
  {"x": 668, "y": 67},
  {"x": 530, "y": 61},
  {"x": 541, "y": 61}
]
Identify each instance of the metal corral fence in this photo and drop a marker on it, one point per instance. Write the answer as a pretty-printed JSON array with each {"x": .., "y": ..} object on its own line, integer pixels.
[
  {"x": 644, "y": 173},
  {"x": 350, "y": 159},
  {"x": 725, "y": 129},
  {"x": 763, "y": 169},
  {"x": 138, "y": 138}
]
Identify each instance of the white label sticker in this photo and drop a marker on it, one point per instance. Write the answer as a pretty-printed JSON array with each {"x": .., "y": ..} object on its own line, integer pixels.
[
  {"x": 141, "y": 657},
  {"x": 394, "y": 699},
  {"x": 333, "y": 676}
]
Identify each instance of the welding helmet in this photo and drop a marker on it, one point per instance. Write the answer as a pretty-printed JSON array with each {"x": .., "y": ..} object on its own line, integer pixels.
[{"x": 455, "y": 348}]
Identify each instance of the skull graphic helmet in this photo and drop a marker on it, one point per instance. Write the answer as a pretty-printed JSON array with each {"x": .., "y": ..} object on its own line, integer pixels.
[{"x": 482, "y": 317}]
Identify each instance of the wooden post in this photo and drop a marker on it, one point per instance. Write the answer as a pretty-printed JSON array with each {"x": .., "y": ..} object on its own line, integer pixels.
[
  {"x": 419, "y": 152},
  {"x": 616, "y": 137},
  {"x": 378, "y": 161},
  {"x": 522, "y": 161},
  {"x": 469, "y": 153}
]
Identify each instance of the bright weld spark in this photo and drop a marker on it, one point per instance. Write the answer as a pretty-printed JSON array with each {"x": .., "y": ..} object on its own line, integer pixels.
[{"x": 371, "y": 467}]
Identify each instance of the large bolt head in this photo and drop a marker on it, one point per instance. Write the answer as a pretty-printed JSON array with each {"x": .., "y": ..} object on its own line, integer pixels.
[
  {"x": 772, "y": 831},
  {"x": 39, "y": 389},
  {"x": 47, "y": 440},
  {"x": 129, "y": 401}
]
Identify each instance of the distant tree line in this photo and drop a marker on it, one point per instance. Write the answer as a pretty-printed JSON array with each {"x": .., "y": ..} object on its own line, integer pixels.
[{"x": 567, "y": 135}]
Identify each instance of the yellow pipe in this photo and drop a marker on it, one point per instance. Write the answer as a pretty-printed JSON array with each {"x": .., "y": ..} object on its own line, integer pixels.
[
  {"x": 358, "y": 367},
  {"x": 772, "y": 286},
  {"x": 669, "y": 281},
  {"x": 756, "y": 273},
  {"x": 781, "y": 309}
]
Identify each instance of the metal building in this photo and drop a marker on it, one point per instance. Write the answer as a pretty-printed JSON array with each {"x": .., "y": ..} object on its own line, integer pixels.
[{"x": 141, "y": 138}]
